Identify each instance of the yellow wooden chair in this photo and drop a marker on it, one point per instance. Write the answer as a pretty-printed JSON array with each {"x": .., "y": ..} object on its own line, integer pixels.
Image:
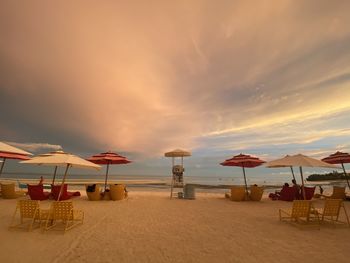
[
  {"x": 8, "y": 191},
  {"x": 29, "y": 213},
  {"x": 62, "y": 212},
  {"x": 300, "y": 214},
  {"x": 238, "y": 193},
  {"x": 338, "y": 193},
  {"x": 331, "y": 211},
  {"x": 256, "y": 193},
  {"x": 117, "y": 192}
]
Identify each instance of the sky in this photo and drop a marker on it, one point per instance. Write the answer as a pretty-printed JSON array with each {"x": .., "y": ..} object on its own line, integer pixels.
[{"x": 140, "y": 78}]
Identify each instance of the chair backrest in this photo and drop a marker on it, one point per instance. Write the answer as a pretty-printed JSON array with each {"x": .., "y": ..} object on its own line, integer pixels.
[
  {"x": 93, "y": 192},
  {"x": 301, "y": 208},
  {"x": 62, "y": 210},
  {"x": 338, "y": 192},
  {"x": 8, "y": 191},
  {"x": 256, "y": 193},
  {"x": 238, "y": 193},
  {"x": 288, "y": 193},
  {"x": 117, "y": 191},
  {"x": 332, "y": 207},
  {"x": 28, "y": 208}
]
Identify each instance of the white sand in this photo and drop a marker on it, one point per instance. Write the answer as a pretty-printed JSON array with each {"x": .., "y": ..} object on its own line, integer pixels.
[{"x": 149, "y": 227}]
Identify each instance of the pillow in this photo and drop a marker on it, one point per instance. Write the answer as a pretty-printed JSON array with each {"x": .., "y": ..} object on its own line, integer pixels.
[{"x": 36, "y": 192}]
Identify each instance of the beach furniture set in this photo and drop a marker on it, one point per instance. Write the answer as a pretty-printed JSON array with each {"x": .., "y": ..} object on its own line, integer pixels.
[
  {"x": 239, "y": 193},
  {"x": 115, "y": 192},
  {"x": 61, "y": 216},
  {"x": 303, "y": 213}
]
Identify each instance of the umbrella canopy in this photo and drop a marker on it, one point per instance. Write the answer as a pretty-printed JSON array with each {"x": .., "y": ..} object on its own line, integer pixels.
[
  {"x": 279, "y": 163},
  {"x": 339, "y": 158},
  {"x": 301, "y": 161},
  {"x": 11, "y": 152},
  {"x": 177, "y": 153},
  {"x": 108, "y": 158},
  {"x": 243, "y": 160},
  {"x": 63, "y": 159}
]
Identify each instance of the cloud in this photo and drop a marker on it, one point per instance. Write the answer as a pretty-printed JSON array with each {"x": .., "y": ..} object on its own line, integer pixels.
[
  {"x": 36, "y": 147},
  {"x": 146, "y": 78}
]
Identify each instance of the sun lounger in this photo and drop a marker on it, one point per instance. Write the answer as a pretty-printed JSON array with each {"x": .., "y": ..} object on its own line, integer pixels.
[
  {"x": 36, "y": 192},
  {"x": 300, "y": 214},
  {"x": 256, "y": 193},
  {"x": 338, "y": 193},
  {"x": 93, "y": 192},
  {"x": 117, "y": 192},
  {"x": 8, "y": 191},
  {"x": 29, "y": 213},
  {"x": 331, "y": 211},
  {"x": 62, "y": 213}
]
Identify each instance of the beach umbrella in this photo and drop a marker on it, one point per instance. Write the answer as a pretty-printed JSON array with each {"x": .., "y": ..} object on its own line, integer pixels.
[
  {"x": 11, "y": 152},
  {"x": 278, "y": 163},
  {"x": 339, "y": 158},
  {"x": 244, "y": 161},
  {"x": 178, "y": 153},
  {"x": 38, "y": 157},
  {"x": 67, "y": 160},
  {"x": 303, "y": 161},
  {"x": 108, "y": 158}
]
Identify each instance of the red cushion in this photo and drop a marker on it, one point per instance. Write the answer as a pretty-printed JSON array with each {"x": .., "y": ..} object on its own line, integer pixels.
[
  {"x": 36, "y": 192},
  {"x": 288, "y": 193},
  {"x": 309, "y": 192},
  {"x": 55, "y": 191}
]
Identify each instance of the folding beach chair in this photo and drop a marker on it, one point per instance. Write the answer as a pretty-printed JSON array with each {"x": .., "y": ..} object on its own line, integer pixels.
[
  {"x": 338, "y": 193},
  {"x": 29, "y": 214},
  {"x": 300, "y": 214},
  {"x": 331, "y": 211},
  {"x": 62, "y": 212}
]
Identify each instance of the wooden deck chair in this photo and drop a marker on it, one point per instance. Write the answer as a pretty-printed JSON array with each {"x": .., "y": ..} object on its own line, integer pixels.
[
  {"x": 300, "y": 214},
  {"x": 331, "y": 211},
  {"x": 8, "y": 191},
  {"x": 29, "y": 214},
  {"x": 338, "y": 193},
  {"x": 256, "y": 193},
  {"x": 63, "y": 212}
]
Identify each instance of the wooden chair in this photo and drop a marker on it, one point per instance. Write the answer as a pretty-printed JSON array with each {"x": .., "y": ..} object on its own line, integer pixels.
[
  {"x": 331, "y": 210},
  {"x": 338, "y": 193},
  {"x": 256, "y": 193},
  {"x": 300, "y": 214},
  {"x": 63, "y": 212},
  {"x": 29, "y": 213},
  {"x": 8, "y": 191}
]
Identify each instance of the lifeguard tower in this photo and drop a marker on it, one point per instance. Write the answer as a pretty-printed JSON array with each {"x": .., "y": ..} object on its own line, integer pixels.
[{"x": 177, "y": 181}]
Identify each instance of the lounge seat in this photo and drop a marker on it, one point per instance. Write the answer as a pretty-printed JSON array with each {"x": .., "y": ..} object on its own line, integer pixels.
[
  {"x": 62, "y": 213},
  {"x": 29, "y": 213},
  {"x": 338, "y": 193},
  {"x": 256, "y": 193},
  {"x": 300, "y": 214},
  {"x": 238, "y": 193},
  {"x": 93, "y": 192},
  {"x": 8, "y": 191},
  {"x": 117, "y": 192},
  {"x": 331, "y": 211},
  {"x": 36, "y": 192}
]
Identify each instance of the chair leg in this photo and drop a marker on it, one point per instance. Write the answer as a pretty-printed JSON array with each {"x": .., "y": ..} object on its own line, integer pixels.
[
  {"x": 346, "y": 215},
  {"x": 14, "y": 217}
]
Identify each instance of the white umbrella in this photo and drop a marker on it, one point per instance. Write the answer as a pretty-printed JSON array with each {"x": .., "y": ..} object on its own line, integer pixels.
[
  {"x": 63, "y": 159},
  {"x": 278, "y": 163},
  {"x": 11, "y": 152},
  {"x": 300, "y": 160}
]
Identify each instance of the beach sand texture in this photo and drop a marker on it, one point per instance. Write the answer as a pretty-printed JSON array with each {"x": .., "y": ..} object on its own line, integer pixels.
[{"x": 149, "y": 227}]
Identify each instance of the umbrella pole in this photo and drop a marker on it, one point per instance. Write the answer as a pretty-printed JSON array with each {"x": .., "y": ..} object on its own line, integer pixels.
[
  {"x": 245, "y": 181},
  {"x": 346, "y": 176},
  {"x": 106, "y": 176},
  {"x": 291, "y": 168},
  {"x": 2, "y": 166},
  {"x": 54, "y": 175},
  {"x": 302, "y": 181},
  {"x": 62, "y": 185}
]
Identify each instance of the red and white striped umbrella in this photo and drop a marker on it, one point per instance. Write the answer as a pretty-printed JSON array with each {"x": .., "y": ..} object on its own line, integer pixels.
[
  {"x": 244, "y": 161},
  {"x": 339, "y": 158}
]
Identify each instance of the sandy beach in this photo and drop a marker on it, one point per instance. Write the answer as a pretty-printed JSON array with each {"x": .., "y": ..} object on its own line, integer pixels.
[{"x": 149, "y": 227}]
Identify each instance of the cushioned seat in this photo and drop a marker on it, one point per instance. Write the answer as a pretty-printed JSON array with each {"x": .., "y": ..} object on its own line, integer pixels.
[
  {"x": 117, "y": 192},
  {"x": 93, "y": 192},
  {"x": 36, "y": 192}
]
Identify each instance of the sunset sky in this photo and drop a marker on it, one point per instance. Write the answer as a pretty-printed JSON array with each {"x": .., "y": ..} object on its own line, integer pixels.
[{"x": 266, "y": 78}]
